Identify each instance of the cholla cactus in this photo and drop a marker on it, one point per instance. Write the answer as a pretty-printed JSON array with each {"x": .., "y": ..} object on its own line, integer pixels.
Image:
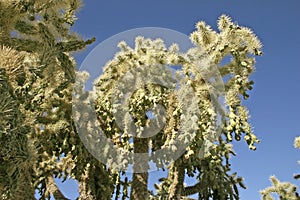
[
  {"x": 284, "y": 190},
  {"x": 297, "y": 143},
  {"x": 38, "y": 140},
  {"x": 16, "y": 154},
  {"x": 38, "y": 137},
  {"x": 211, "y": 48}
]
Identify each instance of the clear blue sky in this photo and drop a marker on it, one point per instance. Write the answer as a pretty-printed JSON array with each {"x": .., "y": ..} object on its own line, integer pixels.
[{"x": 274, "y": 101}]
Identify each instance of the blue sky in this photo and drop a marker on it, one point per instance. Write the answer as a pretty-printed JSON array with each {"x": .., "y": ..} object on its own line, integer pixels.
[{"x": 273, "y": 102}]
